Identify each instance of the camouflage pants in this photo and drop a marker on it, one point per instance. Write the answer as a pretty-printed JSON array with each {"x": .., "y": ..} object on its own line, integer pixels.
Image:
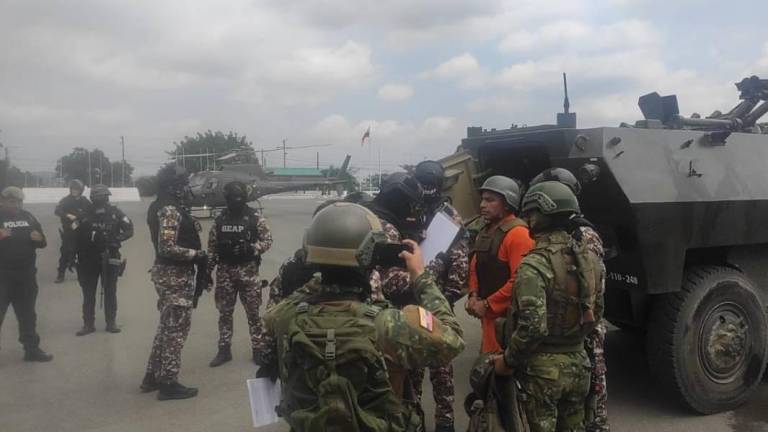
[
  {"x": 597, "y": 400},
  {"x": 231, "y": 280},
  {"x": 442, "y": 390},
  {"x": 555, "y": 386},
  {"x": 175, "y": 287}
]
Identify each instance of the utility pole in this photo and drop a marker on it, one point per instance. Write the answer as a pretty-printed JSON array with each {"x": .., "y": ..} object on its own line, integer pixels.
[
  {"x": 284, "y": 153},
  {"x": 90, "y": 178},
  {"x": 122, "y": 175},
  {"x": 318, "y": 160}
]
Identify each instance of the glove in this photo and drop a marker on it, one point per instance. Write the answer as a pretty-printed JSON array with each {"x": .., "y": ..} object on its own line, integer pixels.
[
  {"x": 201, "y": 257},
  {"x": 243, "y": 249}
]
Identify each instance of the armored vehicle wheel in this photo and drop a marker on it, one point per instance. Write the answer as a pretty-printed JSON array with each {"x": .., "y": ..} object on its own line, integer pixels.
[{"x": 708, "y": 343}]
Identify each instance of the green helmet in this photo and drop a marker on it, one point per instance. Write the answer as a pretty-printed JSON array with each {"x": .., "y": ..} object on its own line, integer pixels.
[
  {"x": 12, "y": 193},
  {"x": 343, "y": 234},
  {"x": 506, "y": 187},
  {"x": 100, "y": 192},
  {"x": 551, "y": 197}
]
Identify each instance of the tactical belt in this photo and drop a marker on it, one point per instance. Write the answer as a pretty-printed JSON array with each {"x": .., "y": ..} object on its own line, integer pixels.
[
  {"x": 173, "y": 262},
  {"x": 559, "y": 349}
]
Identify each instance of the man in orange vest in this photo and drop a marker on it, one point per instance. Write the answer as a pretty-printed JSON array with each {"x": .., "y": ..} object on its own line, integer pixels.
[{"x": 497, "y": 251}]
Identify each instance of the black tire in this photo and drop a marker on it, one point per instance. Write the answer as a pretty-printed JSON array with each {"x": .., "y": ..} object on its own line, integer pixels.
[{"x": 708, "y": 343}]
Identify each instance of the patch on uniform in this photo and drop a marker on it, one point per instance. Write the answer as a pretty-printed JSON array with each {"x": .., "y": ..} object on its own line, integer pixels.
[{"x": 426, "y": 319}]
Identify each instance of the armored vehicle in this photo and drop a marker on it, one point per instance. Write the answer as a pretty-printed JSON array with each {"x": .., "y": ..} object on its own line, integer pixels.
[{"x": 682, "y": 206}]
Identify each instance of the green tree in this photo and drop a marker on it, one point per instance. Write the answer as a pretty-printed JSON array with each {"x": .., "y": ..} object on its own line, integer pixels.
[
  {"x": 214, "y": 144},
  {"x": 76, "y": 165},
  {"x": 19, "y": 178}
]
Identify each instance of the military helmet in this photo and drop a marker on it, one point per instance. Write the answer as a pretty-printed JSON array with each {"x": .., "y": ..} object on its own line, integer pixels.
[
  {"x": 172, "y": 176},
  {"x": 76, "y": 185},
  {"x": 431, "y": 175},
  {"x": 551, "y": 197},
  {"x": 12, "y": 193},
  {"x": 343, "y": 234},
  {"x": 403, "y": 182},
  {"x": 236, "y": 190},
  {"x": 561, "y": 175},
  {"x": 506, "y": 187},
  {"x": 100, "y": 191},
  {"x": 481, "y": 374}
]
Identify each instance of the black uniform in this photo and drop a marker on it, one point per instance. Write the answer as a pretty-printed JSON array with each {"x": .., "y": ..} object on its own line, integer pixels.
[
  {"x": 18, "y": 281},
  {"x": 76, "y": 206},
  {"x": 98, "y": 249}
]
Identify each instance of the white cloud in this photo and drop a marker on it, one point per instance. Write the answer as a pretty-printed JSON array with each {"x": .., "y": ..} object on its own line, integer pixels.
[
  {"x": 394, "y": 92},
  {"x": 464, "y": 69},
  {"x": 569, "y": 35}
]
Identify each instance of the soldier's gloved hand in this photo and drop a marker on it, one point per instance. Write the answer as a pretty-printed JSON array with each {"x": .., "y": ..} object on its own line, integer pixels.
[
  {"x": 201, "y": 257},
  {"x": 268, "y": 371}
]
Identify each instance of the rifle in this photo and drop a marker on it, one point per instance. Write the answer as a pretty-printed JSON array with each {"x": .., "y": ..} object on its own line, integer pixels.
[{"x": 201, "y": 279}]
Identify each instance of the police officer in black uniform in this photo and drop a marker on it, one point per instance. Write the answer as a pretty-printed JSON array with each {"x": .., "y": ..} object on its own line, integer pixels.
[
  {"x": 70, "y": 210},
  {"x": 103, "y": 228},
  {"x": 20, "y": 237}
]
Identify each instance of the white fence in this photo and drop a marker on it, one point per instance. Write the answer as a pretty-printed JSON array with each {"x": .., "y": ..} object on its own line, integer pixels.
[{"x": 53, "y": 195}]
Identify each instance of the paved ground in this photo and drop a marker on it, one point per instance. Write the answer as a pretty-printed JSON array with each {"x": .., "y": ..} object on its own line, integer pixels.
[{"x": 92, "y": 384}]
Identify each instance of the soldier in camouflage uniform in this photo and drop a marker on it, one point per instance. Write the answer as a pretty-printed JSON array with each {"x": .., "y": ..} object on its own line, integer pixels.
[
  {"x": 358, "y": 392},
  {"x": 450, "y": 271},
  {"x": 555, "y": 306},
  {"x": 238, "y": 238},
  {"x": 584, "y": 232},
  {"x": 176, "y": 239}
]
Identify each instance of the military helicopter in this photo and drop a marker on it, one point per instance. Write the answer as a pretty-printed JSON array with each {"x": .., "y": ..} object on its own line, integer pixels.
[{"x": 208, "y": 186}]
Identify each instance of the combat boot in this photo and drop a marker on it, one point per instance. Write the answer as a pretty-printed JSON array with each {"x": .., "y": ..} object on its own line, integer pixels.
[
  {"x": 37, "y": 355},
  {"x": 59, "y": 277},
  {"x": 224, "y": 355},
  {"x": 174, "y": 390},
  {"x": 86, "y": 330},
  {"x": 112, "y": 327},
  {"x": 149, "y": 383}
]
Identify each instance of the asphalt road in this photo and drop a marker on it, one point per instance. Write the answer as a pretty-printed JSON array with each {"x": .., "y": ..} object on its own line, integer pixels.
[{"x": 92, "y": 383}]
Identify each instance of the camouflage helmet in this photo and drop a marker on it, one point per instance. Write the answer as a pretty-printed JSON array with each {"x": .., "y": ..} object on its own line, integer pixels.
[
  {"x": 551, "y": 197},
  {"x": 12, "y": 193},
  {"x": 100, "y": 192},
  {"x": 481, "y": 374},
  {"x": 343, "y": 234},
  {"x": 76, "y": 185},
  {"x": 506, "y": 187},
  {"x": 561, "y": 175},
  {"x": 431, "y": 176},
  {"x": 172, "y": 176}
]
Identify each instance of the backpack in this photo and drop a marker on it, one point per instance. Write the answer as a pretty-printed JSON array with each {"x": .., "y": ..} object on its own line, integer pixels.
[{"x": 334, "y": 377}]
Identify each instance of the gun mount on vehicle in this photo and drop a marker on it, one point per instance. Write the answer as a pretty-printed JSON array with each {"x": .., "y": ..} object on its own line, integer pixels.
[{"x": 681, "y": 205}]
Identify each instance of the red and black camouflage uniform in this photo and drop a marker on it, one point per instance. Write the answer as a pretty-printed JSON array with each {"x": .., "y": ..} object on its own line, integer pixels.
[
  {"x": 175, "y": 285},
  {"x": 451, "y": 271},
  {"x": 240, "y": 276},
  {"x": 597, "y": 399}
]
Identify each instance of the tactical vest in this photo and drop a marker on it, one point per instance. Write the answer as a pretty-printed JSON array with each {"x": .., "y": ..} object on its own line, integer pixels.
[
  {"x": 492, "y": 273},
  {"x": 18, "y": 251},
  {"x": 231, "y": 230},
  {"x": 572, "y": 295},
  {"x": 188, "y": 236},
  {"x": 335, "y": 378}
]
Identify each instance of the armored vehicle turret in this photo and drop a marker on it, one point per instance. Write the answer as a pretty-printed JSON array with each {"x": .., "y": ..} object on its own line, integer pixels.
[{"x": 682, "y": 207}]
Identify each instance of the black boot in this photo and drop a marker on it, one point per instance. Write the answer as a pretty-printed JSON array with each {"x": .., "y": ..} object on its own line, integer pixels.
[
  {"x": 112, "y": 327},
  {"x": 59, "y": 277},
  {"x": 37, "y": 355},
  {"x": 149, "y": 383},
  {"x": 224, "y": 355},
  {"x": 444, "y": 428},
  {"x": 174, "y": 390},
  {"x": 86, "y": 330}
]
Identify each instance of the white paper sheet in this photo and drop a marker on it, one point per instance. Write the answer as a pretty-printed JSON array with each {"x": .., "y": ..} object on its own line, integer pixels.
[
  {"x": 440, "y": 235},
  {"x": 264, "y": 396}
]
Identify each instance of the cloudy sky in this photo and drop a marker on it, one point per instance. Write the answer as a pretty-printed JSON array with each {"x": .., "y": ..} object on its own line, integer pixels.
[{"x": 319, "y": 72}]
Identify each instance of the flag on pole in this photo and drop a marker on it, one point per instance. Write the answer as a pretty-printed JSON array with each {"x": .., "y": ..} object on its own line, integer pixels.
[{"x": 366, "y": 135}]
